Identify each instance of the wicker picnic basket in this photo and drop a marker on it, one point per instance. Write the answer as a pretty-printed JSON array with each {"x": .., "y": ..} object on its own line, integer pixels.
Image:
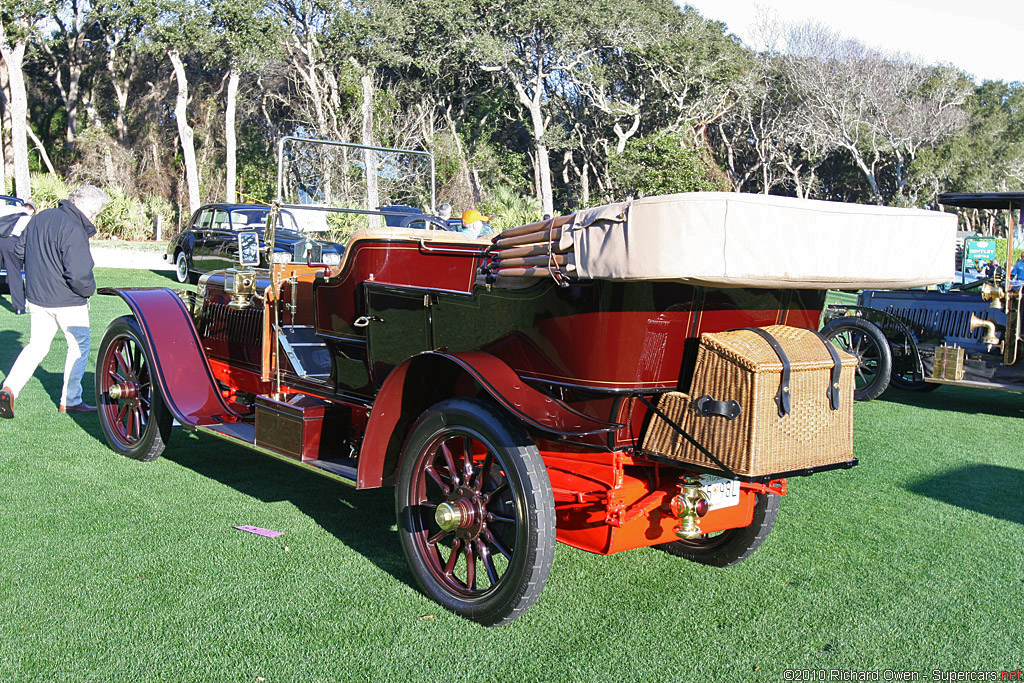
[{"x": 744, "y": 411}]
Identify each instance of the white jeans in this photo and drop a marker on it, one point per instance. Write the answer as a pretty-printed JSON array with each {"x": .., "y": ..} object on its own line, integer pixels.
[{"x": 74, "y": 321}]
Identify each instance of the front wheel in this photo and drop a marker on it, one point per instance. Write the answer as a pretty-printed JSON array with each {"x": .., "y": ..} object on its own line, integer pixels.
[
  {"x": 874, "y": 358},
  {"x": 476, "y": 515},
  {"x": 135, "y": 421},
  {"x": 731, "y": 546}
]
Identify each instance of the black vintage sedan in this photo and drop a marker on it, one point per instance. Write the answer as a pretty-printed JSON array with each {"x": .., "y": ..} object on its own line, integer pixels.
[{"x": 211, "y": 241}]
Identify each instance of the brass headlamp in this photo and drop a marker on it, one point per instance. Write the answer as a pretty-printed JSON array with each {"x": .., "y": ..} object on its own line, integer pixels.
[{"x": 241, "y": 285}]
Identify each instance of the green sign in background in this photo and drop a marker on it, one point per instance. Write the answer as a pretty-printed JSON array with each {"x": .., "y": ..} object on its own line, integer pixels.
[{"x": 979, "y": 249}]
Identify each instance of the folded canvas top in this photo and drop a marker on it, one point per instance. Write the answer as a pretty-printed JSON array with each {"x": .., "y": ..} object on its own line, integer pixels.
[{"x": 748, "y": 240}]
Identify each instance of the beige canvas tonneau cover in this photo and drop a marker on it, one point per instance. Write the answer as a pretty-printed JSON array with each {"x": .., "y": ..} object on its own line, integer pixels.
[{"x": 749, "y": 240}]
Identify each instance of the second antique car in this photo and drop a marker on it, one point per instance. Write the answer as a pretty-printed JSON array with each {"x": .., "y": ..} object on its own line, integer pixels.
[
  {"x": 645, "y": 373},
  {"x": 917, "y": 340},
  {"x": 211, "y": 240}
]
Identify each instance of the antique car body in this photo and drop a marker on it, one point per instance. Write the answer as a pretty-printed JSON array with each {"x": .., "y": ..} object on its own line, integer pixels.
[
  {"x": 512, "y": 400},
  {"x": 210, "y": 241},
  {"x": 969, "y": 335}
]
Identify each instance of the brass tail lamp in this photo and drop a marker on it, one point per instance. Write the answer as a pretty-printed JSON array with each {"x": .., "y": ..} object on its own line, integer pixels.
[{"x": 690, "y": 504}]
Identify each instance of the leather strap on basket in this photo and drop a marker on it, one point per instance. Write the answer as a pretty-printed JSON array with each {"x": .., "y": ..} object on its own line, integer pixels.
[
  {"x": 679, "y": 430},
  {"x": 837, "y": 368},
  {"x": 782, "y": 398}
]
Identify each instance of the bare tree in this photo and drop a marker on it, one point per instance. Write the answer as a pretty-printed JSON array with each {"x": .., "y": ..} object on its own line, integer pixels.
[
  {"x": 185, "y": 132},
  {"x": 315, "y": 92},
  {"x": 71, "y": 20},
  {"x": 878, "y": 109},
  {"x": 14, "y": 37}
]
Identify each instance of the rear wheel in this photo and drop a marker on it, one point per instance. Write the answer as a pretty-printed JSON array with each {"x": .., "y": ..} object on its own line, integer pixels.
[
  {"x": 911, "y": 381},
  {"x": 476, "y": 515},
  {"x": 906, "y": 377},
  {"x": 135, "y": 421},
  {"x": 732, "y": 546},
  {"x": 874, "y": 358}
]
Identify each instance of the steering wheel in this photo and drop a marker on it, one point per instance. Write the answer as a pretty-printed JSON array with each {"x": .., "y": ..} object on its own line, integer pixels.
[{"x": 438, "y": 223}]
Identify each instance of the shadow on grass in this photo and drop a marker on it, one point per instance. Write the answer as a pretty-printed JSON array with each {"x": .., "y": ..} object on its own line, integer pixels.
[
  {"x": 12, "y": 343},
  {"x": 992, "y": 490},
  {"x": 362, "y": 520},
  {"x": 960, "y": 400},
  {"x": 170, "y": 277}
]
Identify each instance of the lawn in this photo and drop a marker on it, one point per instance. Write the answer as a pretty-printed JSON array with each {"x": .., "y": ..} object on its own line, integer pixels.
[{"x": 116, "y": 570}]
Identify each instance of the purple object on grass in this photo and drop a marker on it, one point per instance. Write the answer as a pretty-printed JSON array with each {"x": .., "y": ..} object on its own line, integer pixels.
[{"x": 259, "y": 531}]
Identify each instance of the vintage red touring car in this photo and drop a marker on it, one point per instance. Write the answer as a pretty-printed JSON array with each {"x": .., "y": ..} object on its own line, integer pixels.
[{"x": 641, "y": 374}]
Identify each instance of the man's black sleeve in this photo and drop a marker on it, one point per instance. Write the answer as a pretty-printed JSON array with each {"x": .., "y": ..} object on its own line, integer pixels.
[{"x": 78, "y": 264}]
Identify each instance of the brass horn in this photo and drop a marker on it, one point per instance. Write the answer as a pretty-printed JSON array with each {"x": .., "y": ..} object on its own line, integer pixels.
[
  {"x": 990, "y": 339},
  {"x": 994, "y": 294}
]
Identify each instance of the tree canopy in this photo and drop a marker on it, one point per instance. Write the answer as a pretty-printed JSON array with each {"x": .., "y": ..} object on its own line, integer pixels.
[{"x": 566, "y": 103}]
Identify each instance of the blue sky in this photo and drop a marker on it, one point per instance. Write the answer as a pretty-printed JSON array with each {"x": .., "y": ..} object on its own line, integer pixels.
[{"x": 982, "y": 37}]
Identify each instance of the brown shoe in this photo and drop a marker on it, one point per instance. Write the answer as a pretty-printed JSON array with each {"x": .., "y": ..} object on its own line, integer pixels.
[
  {"x": 78, "y": 408},
  {"x": 6, "y": 403}
]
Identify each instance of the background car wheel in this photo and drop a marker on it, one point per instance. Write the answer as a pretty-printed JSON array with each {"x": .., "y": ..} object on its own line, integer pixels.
[
  {"x": 135, "y": 421},
  {"x": 906, "y": 377},
  {"x": 911, "y": 381},
  {"x": 905, "y": 361},
  {"x": 874, "y": 359},
  {"x": 733, "y": 545},
  {"x": 181, "y": 270},
  {"x": 476, "y": 515}
]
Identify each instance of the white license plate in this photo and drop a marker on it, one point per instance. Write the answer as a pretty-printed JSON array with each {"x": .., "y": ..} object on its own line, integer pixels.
[{"x": 721, "y": 492}]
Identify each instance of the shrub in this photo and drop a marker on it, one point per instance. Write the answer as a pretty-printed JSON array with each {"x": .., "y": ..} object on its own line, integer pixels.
[
  {"x": 341, "y": 226},
  {"x": 660, "y": 164},
  {"x": 508, "y": 209},
  {"x": 48, "y": 190},
  {"x": 124, "y": 218},
  {"x": 157, "y": 206}
]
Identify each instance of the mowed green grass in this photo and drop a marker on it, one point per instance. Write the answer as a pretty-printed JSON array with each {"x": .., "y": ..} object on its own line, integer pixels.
[{"x": 116, "y": 570}]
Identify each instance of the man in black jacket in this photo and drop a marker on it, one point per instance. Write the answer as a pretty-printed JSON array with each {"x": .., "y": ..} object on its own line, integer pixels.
[
  {"x": 11, "y": 227},
  {"x": 58, "y": 283}
]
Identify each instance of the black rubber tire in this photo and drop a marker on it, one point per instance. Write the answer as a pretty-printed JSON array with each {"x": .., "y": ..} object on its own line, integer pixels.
[
  {"x": 181, "y": 272},
  {"x": 509, "y": 486},
  {"x": 734, "y": 545},
  {"x": 874, "y": 357},
  {"x": 138, "y": 425}
]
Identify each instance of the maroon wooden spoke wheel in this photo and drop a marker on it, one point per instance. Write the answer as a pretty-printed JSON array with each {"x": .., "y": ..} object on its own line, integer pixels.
[
  {"x": 475, "y": 511},
  {"x": 135, "y": 421}
]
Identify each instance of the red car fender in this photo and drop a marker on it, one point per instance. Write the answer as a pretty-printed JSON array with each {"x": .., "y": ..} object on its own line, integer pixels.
[
  {"x": 181, "y": 369},
  {"x": 423, "y": 380}
]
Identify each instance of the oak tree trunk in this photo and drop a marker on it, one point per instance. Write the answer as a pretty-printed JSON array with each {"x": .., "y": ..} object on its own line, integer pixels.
[
  {"x": 372, "y": 195},
  {"x": 185, "y": 133},
  {"x": 230, "y": 141},
  {"x": 13, "y": 56}
]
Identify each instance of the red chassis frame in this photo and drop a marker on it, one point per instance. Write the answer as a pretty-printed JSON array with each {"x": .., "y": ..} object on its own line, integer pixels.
[{"x": 606, "y": 501}]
